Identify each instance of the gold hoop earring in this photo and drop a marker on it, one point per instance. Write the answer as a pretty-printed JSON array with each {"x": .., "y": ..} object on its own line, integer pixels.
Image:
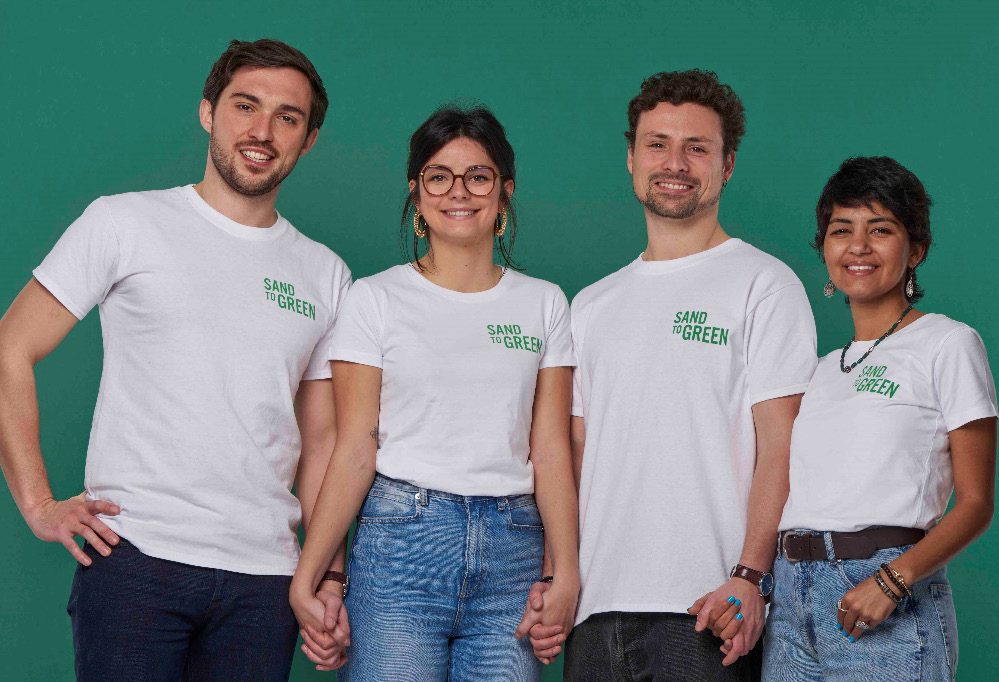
[
  {"x": 502, "y": 228},
  {"x": 420, "y": 231}
]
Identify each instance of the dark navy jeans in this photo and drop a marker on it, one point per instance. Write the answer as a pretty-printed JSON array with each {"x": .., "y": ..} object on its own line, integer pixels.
[{"x": 136, "y": 617}]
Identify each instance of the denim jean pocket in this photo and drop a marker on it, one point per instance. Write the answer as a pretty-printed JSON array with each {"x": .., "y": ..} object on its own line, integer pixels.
[
  {"x": 386, "y": 505},
  {"x": 943, "y": 604},
  {"x": 855, "y": 571},
  {"x": 523, "y": 513}
]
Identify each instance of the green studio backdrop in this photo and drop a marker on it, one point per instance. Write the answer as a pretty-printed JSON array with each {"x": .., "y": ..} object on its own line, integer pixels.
[{"x": 102, "y": 98}]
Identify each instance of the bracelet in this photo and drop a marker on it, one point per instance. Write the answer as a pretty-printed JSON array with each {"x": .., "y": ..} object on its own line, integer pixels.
[
  {"x": 547, "y": 579},
  {"x": 897, "y": 579},
  {"x": 884, "y": 588},
  {"x": 337, "y": 576}
]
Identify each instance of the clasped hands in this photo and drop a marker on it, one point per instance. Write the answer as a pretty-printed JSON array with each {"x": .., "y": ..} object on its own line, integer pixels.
[
  {"x": 324, "y": 625},
  {"x": 735, "y": 614}
]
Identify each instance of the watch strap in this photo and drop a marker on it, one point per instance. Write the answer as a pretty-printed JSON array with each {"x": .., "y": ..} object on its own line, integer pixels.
[{"x": 339, "y": 577}]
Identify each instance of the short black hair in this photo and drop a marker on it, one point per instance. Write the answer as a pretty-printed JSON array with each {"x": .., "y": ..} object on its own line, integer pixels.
[
  {"x": 444, "y": 125},
  {"x": 270, "y": 53},
  {"x": 864, "y": 180}
]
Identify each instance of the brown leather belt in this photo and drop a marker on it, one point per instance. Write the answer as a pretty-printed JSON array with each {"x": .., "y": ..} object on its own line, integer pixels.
[{"x": 862, "y": 544}]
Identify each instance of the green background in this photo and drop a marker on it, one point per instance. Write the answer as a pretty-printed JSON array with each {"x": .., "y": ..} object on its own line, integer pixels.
[{"x": 102, "y": 98}]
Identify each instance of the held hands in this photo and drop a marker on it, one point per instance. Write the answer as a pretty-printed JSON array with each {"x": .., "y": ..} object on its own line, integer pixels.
[
  {"x": 59, "y": 521},
  {"x": 734, "y": 613},
  {"x": 548, "y": 617},
  {"x": 864, "y": 607},
  {"x": 325, "y": 628}
]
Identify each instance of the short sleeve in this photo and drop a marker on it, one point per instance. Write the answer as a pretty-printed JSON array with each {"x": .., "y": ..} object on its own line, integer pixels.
[
  {"x": 319, "y": 364},
  {"x": 780, "y": 336},
  {"x": 357, "y": 334},
  {"x": 83, "y": 265},
  {"x": 577, "y": 372},
  {"x": 963, "y": 381},
  {"x": 558, "y": 343}
]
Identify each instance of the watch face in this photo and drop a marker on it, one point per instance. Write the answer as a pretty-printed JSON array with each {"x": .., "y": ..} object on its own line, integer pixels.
[{"x": 766, "y": 585}]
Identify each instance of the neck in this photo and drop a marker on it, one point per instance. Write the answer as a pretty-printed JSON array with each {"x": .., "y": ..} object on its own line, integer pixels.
[
  {"x": 467, "y": 268},
  {"x": 670, "y": 238},
  {"x": 250, "y": 211},
  {"x": 872, "y": 319}
]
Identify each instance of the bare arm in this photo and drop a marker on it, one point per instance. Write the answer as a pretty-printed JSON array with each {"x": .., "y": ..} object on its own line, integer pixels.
[
  {"x": 577, "y": 439},
  {"x": 348, "y": 478},
  {"x": 33, "y": 326}
]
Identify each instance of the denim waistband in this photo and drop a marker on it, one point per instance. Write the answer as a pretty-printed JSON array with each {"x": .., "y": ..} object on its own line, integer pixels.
[{"x": 423, "y": 494}]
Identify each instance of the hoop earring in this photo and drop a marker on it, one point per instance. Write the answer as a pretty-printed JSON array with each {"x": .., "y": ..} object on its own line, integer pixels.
[
  {"x": 829, "y": 289},
  {"x": 910, "y": 286},
  {"x": 420, "y": 231},
  {"x": 502, "y": 228}
]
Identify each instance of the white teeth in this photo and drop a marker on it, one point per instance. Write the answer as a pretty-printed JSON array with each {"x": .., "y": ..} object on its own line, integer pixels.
[
  {"x": 860, "y": 268},
  {"x": 671, "y": 185},
  {"x": 459, "y": 214},
  {"x": 255, "y": 156}
]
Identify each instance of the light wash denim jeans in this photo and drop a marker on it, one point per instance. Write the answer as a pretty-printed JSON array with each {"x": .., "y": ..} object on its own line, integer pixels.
[
  {"x": 917, "y": 642},
  {"x": 438, "y": 584}
]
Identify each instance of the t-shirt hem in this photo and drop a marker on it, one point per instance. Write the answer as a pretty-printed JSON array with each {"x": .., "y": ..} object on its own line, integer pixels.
[
  {"x": 577, "y": 411},
  {"x": 778, "y": 393},
  {"x": 564, "y": 361},
  {"x": 57, "y": 291},
  {"x": 170, "y": 554},
  {"x": 317, "y": 375},
  {"x": 645, "y": 607},
  {"x": 358, "y": 357},
  {"x": 980, "y": 411}
]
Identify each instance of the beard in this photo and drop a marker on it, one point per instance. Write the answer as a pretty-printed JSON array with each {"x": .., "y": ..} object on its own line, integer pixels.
[
  {"x": 254, "y": 186},
  {"x": 676, "y": 209}
]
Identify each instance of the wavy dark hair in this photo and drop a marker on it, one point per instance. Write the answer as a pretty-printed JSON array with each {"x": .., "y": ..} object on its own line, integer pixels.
[
  {"x": 864, "y": 180},
  {"x": 270, "y": 53},
  {"x": 444, "y": 125},
  {"x": 696, "y": 87}
]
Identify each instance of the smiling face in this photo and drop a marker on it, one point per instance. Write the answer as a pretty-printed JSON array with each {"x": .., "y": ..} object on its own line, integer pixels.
[
  {"x": 677, "y": 164},
  {"x": 868, "y": 253},
  {"x": 460, "y": 215},
  {"x": 259, "y": 128}
]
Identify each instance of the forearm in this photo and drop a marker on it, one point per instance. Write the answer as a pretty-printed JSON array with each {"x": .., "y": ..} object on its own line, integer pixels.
[
  {"x": 347, "y": 481},
  {"x": 767, "y": 496},
  {"x": 20, "y": 451},
  {"x": 957, "y": 529},
  {"x": 555, "y": 492}
]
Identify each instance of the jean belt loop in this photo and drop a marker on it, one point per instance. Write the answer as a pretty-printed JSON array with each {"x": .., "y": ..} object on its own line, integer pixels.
[
  {"x": 502, "y": 502},
  {"x": 830, "y": 550},
  {"x": 422, "y": 497}
]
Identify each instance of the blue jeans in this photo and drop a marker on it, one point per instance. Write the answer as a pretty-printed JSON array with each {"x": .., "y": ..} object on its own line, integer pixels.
[
  {"x": 136, "y": 617},
  {"x": 918, "y": 641},
  {"x": 438, "y": 584}
]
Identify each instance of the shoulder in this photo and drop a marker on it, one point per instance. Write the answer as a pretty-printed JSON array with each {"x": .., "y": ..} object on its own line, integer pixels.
[
  {"x": 317, "y": 253},
  {"x": 394, "y": 278},
  {"x": 936, "y": 333},
  {"x": 768, "y": 270},
  {"x": 533, "y": 285},
  {"x": 599, "y": 289}
]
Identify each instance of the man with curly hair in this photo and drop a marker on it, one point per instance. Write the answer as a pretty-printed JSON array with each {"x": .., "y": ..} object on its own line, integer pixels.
[{"x": 691, "y": 364}]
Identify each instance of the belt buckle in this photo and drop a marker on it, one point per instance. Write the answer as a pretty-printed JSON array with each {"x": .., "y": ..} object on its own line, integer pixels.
[{"x": 783, "y": 543}]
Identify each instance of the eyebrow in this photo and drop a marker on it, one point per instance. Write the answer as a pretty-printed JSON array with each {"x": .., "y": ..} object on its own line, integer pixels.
[
  {"x": 256, "y": 100},
  {"x": 875, "y": 219},
  {"x": 664, "y": 136}
]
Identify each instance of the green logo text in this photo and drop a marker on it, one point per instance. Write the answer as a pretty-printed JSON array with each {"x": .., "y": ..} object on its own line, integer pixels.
[
  {"x": 871, "y": 380},
  {"x": 511, "y": 336},
  {"x": 690, "y": 325},
  {"x": 283, "y": 293}
]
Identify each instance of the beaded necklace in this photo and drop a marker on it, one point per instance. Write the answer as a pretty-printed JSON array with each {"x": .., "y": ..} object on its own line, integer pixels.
[{"x": 842, "y": 356}]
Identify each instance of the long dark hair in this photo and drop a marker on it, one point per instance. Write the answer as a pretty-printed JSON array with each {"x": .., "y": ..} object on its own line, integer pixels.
[{"x": 449, "y": 123}]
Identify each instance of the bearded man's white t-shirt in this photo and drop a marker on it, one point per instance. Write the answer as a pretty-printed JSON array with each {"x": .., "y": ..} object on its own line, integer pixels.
[
  {"x": 871, "y": 447},
  {"x": 671, "y": 357},
  {"x": 209, "y": 327},
  {"x": 459, "y": 372}
]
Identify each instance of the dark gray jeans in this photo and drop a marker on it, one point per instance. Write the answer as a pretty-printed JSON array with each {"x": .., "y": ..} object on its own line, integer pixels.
[{"x": 625, "y": 647}]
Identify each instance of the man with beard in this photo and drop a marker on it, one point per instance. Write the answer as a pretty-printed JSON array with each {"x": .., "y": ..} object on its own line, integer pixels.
[
  {"x": 691, "y": 362},
  {"x": 216, "y": 314}
]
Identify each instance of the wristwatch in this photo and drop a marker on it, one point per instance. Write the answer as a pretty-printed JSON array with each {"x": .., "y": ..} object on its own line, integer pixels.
[
  {"x": 763, "y": 581},
  {"x": 337, "y": 576}
]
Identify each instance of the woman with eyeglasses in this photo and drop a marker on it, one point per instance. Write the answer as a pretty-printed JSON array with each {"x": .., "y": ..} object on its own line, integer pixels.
[
  {"x": 452, "y": 377},
  {"x": 891, "y": 424}
]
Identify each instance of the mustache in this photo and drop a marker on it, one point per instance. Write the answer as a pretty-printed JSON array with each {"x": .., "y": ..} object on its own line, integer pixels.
[{"x": 674, "y": 177}]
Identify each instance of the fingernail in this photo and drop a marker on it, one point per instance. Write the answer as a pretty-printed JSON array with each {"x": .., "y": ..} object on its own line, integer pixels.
[
  {"x": 852, "y": 639},
  {"x": 738, "y": 602},
  {"x": 738, "y": 616},
  {"x": 839, "y": 626},
  {"x": 731, "y": 599}
]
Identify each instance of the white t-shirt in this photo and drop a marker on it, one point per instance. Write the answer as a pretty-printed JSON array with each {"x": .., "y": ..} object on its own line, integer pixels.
[
  {"x": 458, "y": 374},
  {"x": 870, "y": 448},
  {"x": 672, "y": 355},
  {"x": 209, "y": 327}
]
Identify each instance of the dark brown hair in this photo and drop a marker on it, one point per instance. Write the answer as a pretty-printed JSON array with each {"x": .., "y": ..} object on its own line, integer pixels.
[
  {"x": 269, "y": 53},
  {"x": 697, "y": 87}
]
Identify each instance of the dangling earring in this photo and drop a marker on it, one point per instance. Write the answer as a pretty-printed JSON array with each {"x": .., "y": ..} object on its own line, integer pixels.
[
  {"x": 724, "y": 183},
  {"x": 829, "y": 289},
  {"x": 502, "y": 228},
  {"x": 910, "y": 286},
  {"x": 421, "y": 232}
]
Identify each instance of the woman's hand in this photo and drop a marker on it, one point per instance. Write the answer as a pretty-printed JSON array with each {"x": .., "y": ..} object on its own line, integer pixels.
[
  {"x": 559, "y": 606},
  {"x": 867, "y": 604},
  {"x": 324, "y": 626}
]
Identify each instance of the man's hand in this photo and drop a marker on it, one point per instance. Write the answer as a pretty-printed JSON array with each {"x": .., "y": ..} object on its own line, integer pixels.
[
  {"x": 60, "y": 521},
  {"x": 325, "y": 628},
  {"x": 546, "y": 640},
  {"x": 738, "y": 623}
]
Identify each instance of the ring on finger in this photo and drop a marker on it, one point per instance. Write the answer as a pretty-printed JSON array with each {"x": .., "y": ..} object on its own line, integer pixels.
[
  {"x": 839, "y": 606},
  {"x": 862, "y": 625}
]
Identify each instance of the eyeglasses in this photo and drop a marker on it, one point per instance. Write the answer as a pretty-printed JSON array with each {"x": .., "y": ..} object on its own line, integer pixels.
[{"x": 478, "y": 180}]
